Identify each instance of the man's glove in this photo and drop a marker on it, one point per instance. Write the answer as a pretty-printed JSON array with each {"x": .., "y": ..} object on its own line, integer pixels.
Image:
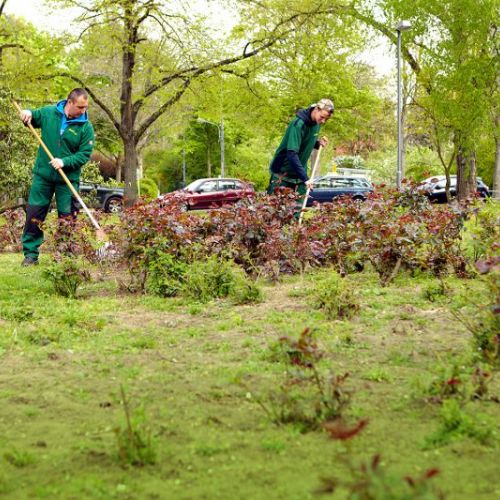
[
  {"x": 26, "y": 116},
  {"x": 57, "y": 163}
]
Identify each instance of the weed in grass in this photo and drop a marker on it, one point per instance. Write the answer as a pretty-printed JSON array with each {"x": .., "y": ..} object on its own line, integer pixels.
[
  {"x": 144, "y": 343},
  {"x": 435, "y": 291},
  {"x": 335, "y": 296},
  {"x": 31, "y": 412},
  {"x": 19, "y": 458},
  {"x": 194, "y": 332},
  {"x": 135, "y": 442},
  {"x": 274, "y": 446},
  {"x": 209, "y": 450},
  {"x": 378, "y": 374},
  {"x": 456, "y": 424},
  {"x": 43, "y": 336},
  {"x": 398, "y": 358},
  {"x": 195, "y": 309},
  {"x": 17, "y": 313},
  {"x": 247, "y": 343},
  {"x": 66, "y": 276}
]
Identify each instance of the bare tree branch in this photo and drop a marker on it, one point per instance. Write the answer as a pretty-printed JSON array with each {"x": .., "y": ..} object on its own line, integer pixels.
[
  {"x": 94, "y": 97},
  {"x": 2, "y": 6},
  {"x": 154, "y": 116}
]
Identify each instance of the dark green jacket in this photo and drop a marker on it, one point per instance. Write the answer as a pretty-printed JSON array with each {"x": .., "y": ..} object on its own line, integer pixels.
[
  {"x": 74, "y": 146},
  {"x": 296, "y": 147}
]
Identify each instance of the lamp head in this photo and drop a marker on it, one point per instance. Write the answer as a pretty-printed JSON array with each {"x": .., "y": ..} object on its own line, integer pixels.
[{"x": 403, "y": 26}]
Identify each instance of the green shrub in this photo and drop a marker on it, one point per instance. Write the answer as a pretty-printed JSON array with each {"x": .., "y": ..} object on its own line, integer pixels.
[
  {"x": 165, "y": 274},
  {"x": 245, "y": 290},
  {"x": 210, "y": 279},
  {"x": 335, "y": 296},
  {"x": 67, "y": 275}
]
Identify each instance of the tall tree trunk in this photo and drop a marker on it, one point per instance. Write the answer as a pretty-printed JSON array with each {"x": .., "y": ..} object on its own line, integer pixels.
[
  {"x": 128, "y": 116},
  {"x": 466, "y": 173},
  {"x": 119, "y": 168},
  {"x": 130, "y": 167}
]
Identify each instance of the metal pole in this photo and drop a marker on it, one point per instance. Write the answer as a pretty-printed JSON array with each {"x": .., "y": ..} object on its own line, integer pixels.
[
  {"x": 399, "y": 128},
  {"x": 183, "y": 168},
  {"x": 221, "y": 138}
]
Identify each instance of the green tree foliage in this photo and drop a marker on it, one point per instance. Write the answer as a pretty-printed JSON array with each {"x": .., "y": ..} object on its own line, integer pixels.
[
  {"x": 455, "y": 59},
  {"x": 24, "y": 55}
]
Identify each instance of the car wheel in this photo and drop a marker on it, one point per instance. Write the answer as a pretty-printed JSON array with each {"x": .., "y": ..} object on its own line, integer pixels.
[{"x": 114, "y": 204}]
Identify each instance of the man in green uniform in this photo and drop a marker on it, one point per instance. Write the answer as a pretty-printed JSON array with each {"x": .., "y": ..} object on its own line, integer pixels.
[
  {"x": 69, "y": 136},
  {"x": 289, "y": 164}
]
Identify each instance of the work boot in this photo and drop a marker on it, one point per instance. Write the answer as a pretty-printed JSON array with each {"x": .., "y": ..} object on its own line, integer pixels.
[{"x": 29, "y": 261}]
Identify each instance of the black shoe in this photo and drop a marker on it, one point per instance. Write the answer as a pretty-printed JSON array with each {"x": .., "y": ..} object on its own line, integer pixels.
[{"x": 29, "y": 261}]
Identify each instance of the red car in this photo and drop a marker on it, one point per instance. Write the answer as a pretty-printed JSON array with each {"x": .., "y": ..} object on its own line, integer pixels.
[{"x": 213, "y": 193}]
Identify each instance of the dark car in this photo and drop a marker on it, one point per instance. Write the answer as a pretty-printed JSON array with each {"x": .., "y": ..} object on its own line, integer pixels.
[
  {"x": 109, "y": 199},
  {"x": 330, "y": 186},
  {"x": 213, "y": 193},
  {"x": 434, "y": 188}
]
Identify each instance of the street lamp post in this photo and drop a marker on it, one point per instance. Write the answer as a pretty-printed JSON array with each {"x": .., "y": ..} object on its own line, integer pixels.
[
  {"x": 402, "y": 26},
  {"x": 221, "y": 141}
]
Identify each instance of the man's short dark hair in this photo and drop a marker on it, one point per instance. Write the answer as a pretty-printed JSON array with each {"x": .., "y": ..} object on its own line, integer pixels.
[{"x": 76, "y": 93}]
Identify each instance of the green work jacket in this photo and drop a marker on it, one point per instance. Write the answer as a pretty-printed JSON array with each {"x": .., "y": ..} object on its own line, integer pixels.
[
  {"x": 73, "y": 146},
  {"x": 296, "y": 147}
]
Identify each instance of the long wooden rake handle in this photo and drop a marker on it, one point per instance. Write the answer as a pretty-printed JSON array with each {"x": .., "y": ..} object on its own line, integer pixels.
[
  {"x": 313, "y": 173},
  {"x": 63, "y": 175}
]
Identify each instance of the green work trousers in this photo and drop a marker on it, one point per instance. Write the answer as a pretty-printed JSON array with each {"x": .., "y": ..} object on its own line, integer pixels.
[
  {"x": 281, "y": 181},
  {"x": 40, "y": 197}
]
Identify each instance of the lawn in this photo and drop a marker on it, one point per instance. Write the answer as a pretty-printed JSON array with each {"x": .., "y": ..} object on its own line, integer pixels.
[{"x": 195, "y": 379}]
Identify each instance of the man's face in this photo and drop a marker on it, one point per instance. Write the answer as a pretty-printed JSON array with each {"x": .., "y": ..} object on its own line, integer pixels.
[
  {"x": 320, "y": 116},
  {"x": 76, "y": 107}
]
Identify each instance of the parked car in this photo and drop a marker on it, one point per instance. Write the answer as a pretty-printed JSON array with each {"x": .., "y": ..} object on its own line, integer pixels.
[
  {"x": 213, "y": 192},
  {"x": 330, "y": 186},
  {"x": 434, "y": 188},
  {"x": 109, "y": 199}
]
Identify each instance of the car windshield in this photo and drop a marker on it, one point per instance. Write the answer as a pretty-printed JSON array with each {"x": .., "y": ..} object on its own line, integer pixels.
[
  {"x": 194, "y": 185},
  {"x": 341, "y": 182}
]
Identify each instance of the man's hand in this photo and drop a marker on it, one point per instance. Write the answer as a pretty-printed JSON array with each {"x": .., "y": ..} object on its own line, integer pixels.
[
  {"x": 309, "y": 184},
  {"x": 25, "y": 116},
  {"x": 323, "y": 141},
  {"x": 57, "y": 163}
]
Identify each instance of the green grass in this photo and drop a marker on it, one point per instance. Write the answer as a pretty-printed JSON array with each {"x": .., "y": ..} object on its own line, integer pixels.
[{"x": 195, "y": 369}]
